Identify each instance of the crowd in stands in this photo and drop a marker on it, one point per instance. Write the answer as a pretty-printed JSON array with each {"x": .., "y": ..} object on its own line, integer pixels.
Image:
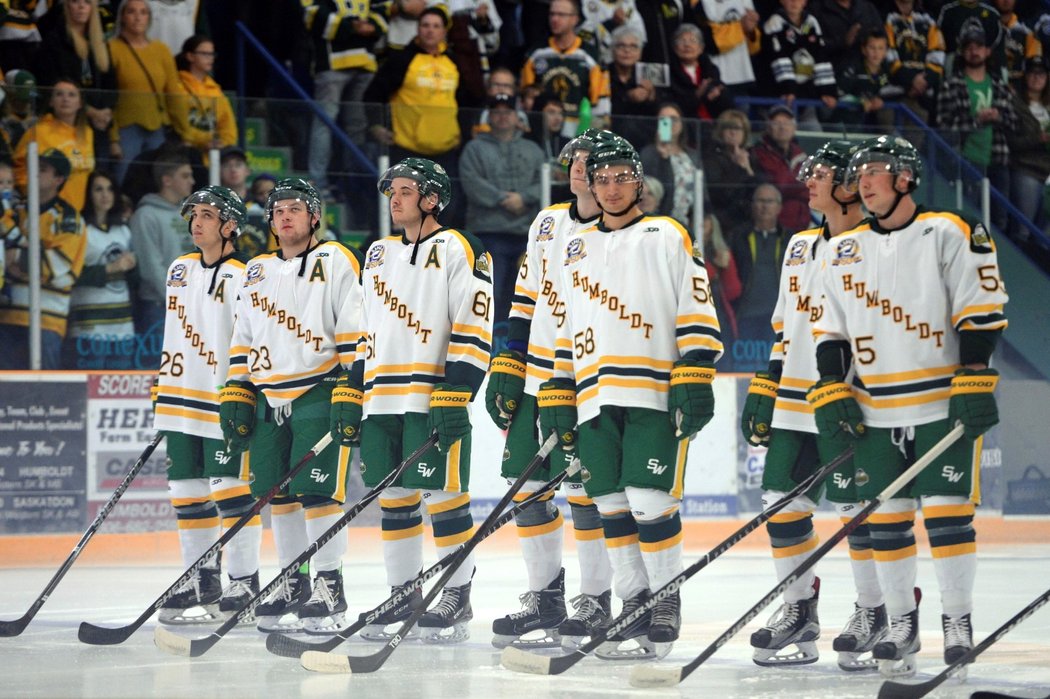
[{"x": 126, "y": 101}]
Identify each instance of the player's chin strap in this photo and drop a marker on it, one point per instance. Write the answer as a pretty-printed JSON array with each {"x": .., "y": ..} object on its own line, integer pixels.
[
  {"x": 419, "y": 235},
  {"x": 634, "y": 202},
  {"x": 845, "y": 204},
  {"x": 896, "y": 202}
]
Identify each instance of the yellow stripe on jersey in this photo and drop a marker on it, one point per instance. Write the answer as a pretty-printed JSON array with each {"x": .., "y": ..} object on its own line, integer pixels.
[
  {"x": 188, "y": 413},
  {"x": 404, "y": 369},
  {"x": 168, "y": 390},
  {"x": 284, "y": 378},
  {"x": 981, "y": 310},
  {"x": 694, "y": 318},
  {"x": 910, "y": 376},
  {"x": 474, "y": 330},
  {"x": 468, "y": 251}
]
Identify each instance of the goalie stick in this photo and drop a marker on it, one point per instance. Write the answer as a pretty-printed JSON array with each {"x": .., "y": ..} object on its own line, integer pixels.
[
  {"x": 16, "y": 626},
  {"x": 669, "y": 676},
  {"x": 180, "y": 645},
  {"x": 288, "y": 647},
  {"x": 103, "y": 636},
  {"x": 521, "y": 660},
  {"x": 902, "y": 690},
  {"x": 361, "y": 664}
]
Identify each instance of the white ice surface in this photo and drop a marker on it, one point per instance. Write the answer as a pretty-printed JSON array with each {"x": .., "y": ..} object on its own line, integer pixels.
[{"x": 47, "y": 660}]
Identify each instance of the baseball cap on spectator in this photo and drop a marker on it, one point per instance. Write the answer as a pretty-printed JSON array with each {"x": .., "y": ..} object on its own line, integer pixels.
[
  {"x": 1036, "y": 64},
  {"x": 57, "y": 160},
  {"x": 507, "y": 101},
  {"x": 972, "y": 33},
  {"x": 21, "y": 84},
  {"x": 780, "y": 108},
  {"x": 441, "y": 11},
  {"x": 232, "y": 152}
]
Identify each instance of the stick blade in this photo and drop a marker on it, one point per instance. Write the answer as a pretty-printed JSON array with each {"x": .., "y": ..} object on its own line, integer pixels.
[
  {"x": 332, "y": 663},
  {"x": 14, "y": 627},
  {"x": 101, "y": 636},
  {"x": 171, "y": 642},
  {"x": 288, "y": 647},
  {"x": 655, "y": 676},
  {"x": 520, "y": 660},
  {"x": 904, "y": 690}
]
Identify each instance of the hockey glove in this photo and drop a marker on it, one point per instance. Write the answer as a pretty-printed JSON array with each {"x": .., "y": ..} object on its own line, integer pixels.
[
  {"x": 154, "y": 392},
  {"x": 757, "y": 419},
  {"x": 691, "y": 402},
  {"x": 972, "y": 400},
  {"x": 505, "y": 388},
  {"x": 237, "y": 415},
  {"x": 556, "y": 401},
  {"x": 344, "y": 417},
  {"x": 449, "y": 416},
  {"x": 835, "y": 409}
]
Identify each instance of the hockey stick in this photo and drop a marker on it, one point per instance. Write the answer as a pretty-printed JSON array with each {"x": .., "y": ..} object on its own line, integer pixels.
[
  {"x": 521, "y": 660},
  {"x": 288, "y": 647},
  {"x": 16, "y": 626},
  {"x": 668, "y": 676},
  {"x": 360, "y": 664},
  {"x": 103, "y": 636},
  {"x": 180, "y": 645},
  {"x": 903, "y": 690}
]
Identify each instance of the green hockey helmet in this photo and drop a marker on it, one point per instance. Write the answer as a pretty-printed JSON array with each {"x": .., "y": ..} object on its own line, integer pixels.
[
  {"x": 230, "y": 206},
  {"x": 834, "y": 155},
  {"x": 614, "y": 151},
  {"x": 586, "y": 141},
  {"x": 430, "y": 177},
  {"x": 891, "y": 154},
  {"x": 294, "y": 188}
]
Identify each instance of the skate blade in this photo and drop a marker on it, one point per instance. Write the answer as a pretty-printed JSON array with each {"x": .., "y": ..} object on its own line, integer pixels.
[
  {"x": 542, "y": 638},
  {"x": 632, "y": 649},
  {"x": 202, "y": 614},
  {"x": 898, "y": 669},
  {"x": 227, "y": 614},
  {"x": 379, "y": 634},
  {"x": 457, "y": 633},
  {"x": 850, "y": 661},
  {"x": 573, "y": 642},
  {"x": 325, "y": 626},
  {"x": 289, "y": 623},
  {"x": 804, "y": 653}
]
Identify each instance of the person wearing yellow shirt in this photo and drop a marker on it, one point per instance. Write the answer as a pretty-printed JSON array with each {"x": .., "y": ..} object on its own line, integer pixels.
[{"x": 200, "y": 112}]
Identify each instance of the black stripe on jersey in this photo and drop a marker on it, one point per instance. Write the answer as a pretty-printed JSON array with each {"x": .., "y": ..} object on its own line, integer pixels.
[
  {"x": 471, "y": 340},
  {"x": 345, "y": 347},
  {"x": 563, "y": 354},
  {"x": 238, "y": 360},
  {"x": 188, "y": 403},
  {"x": 404, "y": 379},
  {"x": 523, "y": 300},
  {"x": 285, "y": 385},
  {"x": 903, "y": 389},
  {"x": 631, "y": 372},
  {"x": 698, "y": 330},
  {"x": 540, "y": 362},
  {"x": 791, "y": 394},
  {"x": 990, "y": 319}
]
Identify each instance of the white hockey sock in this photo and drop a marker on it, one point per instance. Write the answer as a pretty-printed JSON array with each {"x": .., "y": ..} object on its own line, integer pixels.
[
  {"x": 234, "y": 499},
  {"x": 595, "y": 569},
  {"x": 542, "y": 553},
  {"x": 866, "y": 580},
  {"x": 621, "y": 541},
  {"x": 197, "y": 518},
  {"x": 318, "y": 521},
  {"x": 289, "y": 530},
  {"x": 893, "y": 537},
  {"x": 402, "y": 526},
  {"x": 453, "y": 525}
]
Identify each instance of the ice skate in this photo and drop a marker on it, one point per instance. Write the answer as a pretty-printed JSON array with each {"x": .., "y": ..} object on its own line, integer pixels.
[
  {"x": 865, "y": 628},
  {"x": 236, "y": 596},
  {"x": 958, "y": 640},
  {"x": 664, "y": 623},
  {"x": 592, "y": 615},
  {"x": 449, "y": 620},
  {"x": 284, "y": 601},
  {"x": 196, "y": 602},
  {"x": 633, "y": 642},
  {"x": 325, "y": 611},
  {"x": 542, "y": 611},
  {"x": 794, "y": 624},
  {"x": 410, "y": 600},
  {"x": 896, "y": 651}
]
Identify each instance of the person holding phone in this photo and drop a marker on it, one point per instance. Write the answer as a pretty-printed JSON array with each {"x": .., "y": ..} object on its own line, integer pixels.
[{"x": 673, "y": 163}]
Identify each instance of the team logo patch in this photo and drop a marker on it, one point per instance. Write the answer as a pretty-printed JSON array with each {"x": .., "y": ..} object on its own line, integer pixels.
[
  {"x": 862, "y": 477},
  {"x": 482, "y": 263},
  {"x": 797, "y": 254},
  {"x": 981, "y": 240},
  {"x": 254, "y": 275},
  {"x": 375, "y": 257},
  {"x": 546, "y": 230},
  {"x": 178, "y": 275},
  {"x": 847, "y": 252},
  {"x": 698, "y": 252},
  {"x": 575, "y": 251}
]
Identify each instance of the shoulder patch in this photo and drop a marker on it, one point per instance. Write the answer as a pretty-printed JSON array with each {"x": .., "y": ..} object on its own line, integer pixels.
[
  {"x": 981, "y": 240},
  {"x": 482, "y": 263}
]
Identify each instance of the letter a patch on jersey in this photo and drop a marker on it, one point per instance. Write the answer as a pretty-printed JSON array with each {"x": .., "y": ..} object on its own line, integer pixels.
[
  {"x": 317, "y": 272},
  {"x": 432, "y": 258}
]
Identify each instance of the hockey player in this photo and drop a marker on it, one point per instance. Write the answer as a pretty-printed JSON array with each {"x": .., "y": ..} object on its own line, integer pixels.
[
  {"x": 428, "y": 313},
  {"x": 298, "y": 325},
  {"x": 914, "y": 297},
  {"x": 635, "y": 362},
  {"x": 516, "y": 375},
  {"x": 777, "y": 399},
  {"x": 204, "y": 481}
]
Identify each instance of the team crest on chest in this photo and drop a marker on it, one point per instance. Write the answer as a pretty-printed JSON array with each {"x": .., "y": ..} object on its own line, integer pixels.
[
  {"x": 797, "y": 254},
  {"x": 847, "y": 252},
  {"x": 375, "y": 257},
  {"x": 178, "y": 276},
  {"x": 575, "y": 251},
  {"x": 546, "y": 230},
  {"x": 254, "y": 275}
]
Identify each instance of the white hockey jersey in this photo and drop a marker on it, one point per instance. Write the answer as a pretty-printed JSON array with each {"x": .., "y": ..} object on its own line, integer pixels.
[
  {"x": 102, "y": 309},
  {"x": 900, "y": 298},
  {"x": 297, "y": 320},
  {"x": 733, "y": 55},
  {"x": 538, "y": 301},
  {"x": 198, "y": 324},
  {"x": 428, "y": 322},
  {"x": 637, "y": 300}
]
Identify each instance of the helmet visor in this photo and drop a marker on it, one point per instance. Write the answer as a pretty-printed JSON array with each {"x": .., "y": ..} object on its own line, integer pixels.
[
  {"x": 386, "y": 182},
  {"x": 569, "y": 150},
  {"x": 820, "y": 169},
  {"x": 205, "y": 197},
  {"x": 868, "y": 162}
]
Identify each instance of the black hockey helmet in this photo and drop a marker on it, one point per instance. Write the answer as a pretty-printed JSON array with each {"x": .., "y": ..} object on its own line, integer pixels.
[
  {"x": 428, "y": 175},
  {"x": 834, "y": 155},
  {"x": 893, "y": 154},
  {"x": 230, "y": 206}
]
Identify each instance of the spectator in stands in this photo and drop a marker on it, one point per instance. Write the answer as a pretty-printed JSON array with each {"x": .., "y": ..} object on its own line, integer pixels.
[
  {"x": 254, "y": 236},
  {"x": 652, "y": 195},
  {"x": 1030, "y": 143},
  {"x": 146, "y": 77},
  {"x": 62, "y": 245},
  {"x": 634, "y": 101},
  {"x": 474, "y": 38},
  {"x": 19, "y": 107},
  {"x": 728, "y": 170},
  {"x": 262, "y": 185},
  {"x": 601, "y": 19},
  {"x": 777, "y": 157},
  {"x": 867, "y": 84},
  {"x": 1020, "y": 42},
  {"x": 568, "y": 69},
  {"x": 19, "y": 35},
  {"x": 958, "y": 16},
  {"x": 200, "y": 112},
  {"x": 159, "y": 234},
  {"x": 503, "y": 170},
  {"x": 758, "y": 249},
  {"x": 733, "y": 28},
  {"x": 344, "y": 38},
  {"x": 844, "y": 23},
  {"x": 403, "y": 22},
  {"x": 100, "y": 316},
  {"x": 502, "y": 81},
  {"x": 982, "y": 130},
  {"x": 795, "y": 55},
  {"x": 661, "y": 19},
  {"x": 75, "y": 49},
  {"x": 547, "y": 119},
  {"x": 916, "y": 56},
  {"x": 722, "y": 274},
  {"x": 696, "y": 85},
  {"x": 174, "y": 21},
  {"x": 669, "y": 159},
  {"x": 64, "y": 128}
]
